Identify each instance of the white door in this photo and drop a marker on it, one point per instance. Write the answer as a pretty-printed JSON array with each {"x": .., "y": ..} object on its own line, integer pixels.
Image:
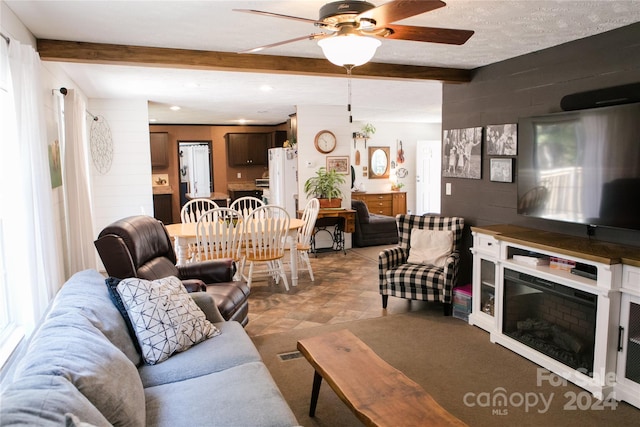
[{"x": 428, "y": 158}]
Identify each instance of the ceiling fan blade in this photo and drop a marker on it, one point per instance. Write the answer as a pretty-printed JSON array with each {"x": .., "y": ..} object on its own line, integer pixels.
[
  {"x": 429, "y": 34},
  {"x": 276, "y": 15},
  {"x": 400, "y": 9},
  {"x": 267, "y": 46}
]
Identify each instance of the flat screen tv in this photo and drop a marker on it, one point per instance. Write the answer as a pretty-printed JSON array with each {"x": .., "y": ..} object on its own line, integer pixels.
[{"x": 581, "y": 166}]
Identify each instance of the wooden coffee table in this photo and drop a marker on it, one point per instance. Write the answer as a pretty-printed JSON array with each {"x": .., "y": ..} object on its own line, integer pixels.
[{"x": 377, "y": 393}]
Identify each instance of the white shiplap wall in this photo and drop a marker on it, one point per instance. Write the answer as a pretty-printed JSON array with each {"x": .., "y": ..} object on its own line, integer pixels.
[
  {"x": 124, "y": 190},
  {"x": 311, "y": 120}
]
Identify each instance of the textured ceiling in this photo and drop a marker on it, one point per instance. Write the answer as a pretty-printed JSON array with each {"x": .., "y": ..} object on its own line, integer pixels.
[{"x": 503, "y": 29}]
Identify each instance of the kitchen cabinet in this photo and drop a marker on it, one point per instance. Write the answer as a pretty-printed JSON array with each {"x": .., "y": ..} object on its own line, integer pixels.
[
  {"x": 236, "y": 194},
  {"x": 162, "y": 209},
  {"x": 159, "y": 149},
  {"x": 248, "y": 149},
  {"x": 279, "y": 137}
]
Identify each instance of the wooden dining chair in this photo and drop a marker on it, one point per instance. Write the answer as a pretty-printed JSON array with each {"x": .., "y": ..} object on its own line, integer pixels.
[
  {"x": 303, "y": 245},
  {"x": 190, "y": 213},
  {"x": 219, "y": 234},
  {"x": 192, "y": 210},
  {"x": 266, "y": 231},
  {"x": 247, "y": 204}
]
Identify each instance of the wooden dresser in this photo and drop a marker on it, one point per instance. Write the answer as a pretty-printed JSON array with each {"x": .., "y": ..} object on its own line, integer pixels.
[{"x": 391, "y": 203}]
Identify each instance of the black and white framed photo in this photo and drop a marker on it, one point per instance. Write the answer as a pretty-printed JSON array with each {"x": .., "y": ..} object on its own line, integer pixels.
[
  {"x": 462, "y": 153},
  {"x": 502, "y": 140},
  {"x": 502, "y": 170}
]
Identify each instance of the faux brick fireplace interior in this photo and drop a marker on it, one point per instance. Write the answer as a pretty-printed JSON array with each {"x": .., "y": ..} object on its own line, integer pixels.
[{"x": 557, "y": 321}]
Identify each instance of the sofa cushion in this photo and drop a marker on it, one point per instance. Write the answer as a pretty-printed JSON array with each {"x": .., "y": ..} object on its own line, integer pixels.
[
  {"x": 165, "y": 318},
  {"x": 430, "y": 247},
  {"x": 244, "y": 395},
  {"x": 86, "y": 293},
  {"x": 70, "y": 346},
  {"x": 112, "y": 285},
  {"x": 43, "y": 400},
  {"x": 232, "y": 348}
]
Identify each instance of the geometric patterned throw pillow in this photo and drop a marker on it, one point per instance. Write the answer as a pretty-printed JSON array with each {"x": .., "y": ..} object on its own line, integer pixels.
[{"x": 165, "y": 318}]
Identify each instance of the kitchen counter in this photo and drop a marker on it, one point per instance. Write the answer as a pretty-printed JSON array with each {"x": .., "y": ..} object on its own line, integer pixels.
[
  {"x": 162, "y": 189},
  {"x": 243, "y": 186},
  {"x": 212, "y": 196}
]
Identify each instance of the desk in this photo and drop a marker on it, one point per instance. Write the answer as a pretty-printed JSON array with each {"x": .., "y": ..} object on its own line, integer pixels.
[
  {"x": 184, "y": 234},
  {"x": 349, "y": 216},
  {"x": 324, "y": 220}
]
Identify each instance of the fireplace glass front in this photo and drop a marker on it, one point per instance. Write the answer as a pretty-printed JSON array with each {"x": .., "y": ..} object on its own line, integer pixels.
[{"x": 551, "y": 318}]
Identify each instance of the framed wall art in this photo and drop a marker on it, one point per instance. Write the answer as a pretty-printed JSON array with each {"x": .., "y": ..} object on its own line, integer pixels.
[
  {"x": 502, "y": 170},
  {"x": 502, "y": 140},
  {"x": 462, "y": 153},
  {"x": 338, "y": 163}
]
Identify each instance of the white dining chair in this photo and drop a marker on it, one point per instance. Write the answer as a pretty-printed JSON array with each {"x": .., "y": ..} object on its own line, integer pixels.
[
  {"x": 192, "y": 210},
  {"x": 219, "y": 234},
  {"x": 247, "y": 204},
  {"x": 190, "y": 213},
  {"x": 303, "y": 244},
  {"x": 265, "y": 231}
]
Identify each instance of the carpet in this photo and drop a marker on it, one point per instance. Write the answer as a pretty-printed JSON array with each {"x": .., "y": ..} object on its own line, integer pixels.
[{"x": 481, "y": 383}]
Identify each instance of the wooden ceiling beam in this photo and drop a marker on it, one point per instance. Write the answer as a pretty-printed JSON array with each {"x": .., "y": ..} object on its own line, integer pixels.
[{"x": 101, "y": 53}]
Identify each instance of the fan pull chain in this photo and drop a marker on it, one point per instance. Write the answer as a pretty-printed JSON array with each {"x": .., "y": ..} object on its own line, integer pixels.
[{"x": 349, "y": 68}]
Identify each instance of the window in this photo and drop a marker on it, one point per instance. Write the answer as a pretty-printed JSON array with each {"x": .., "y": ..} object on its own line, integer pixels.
[{"x": 10, "y": 333}]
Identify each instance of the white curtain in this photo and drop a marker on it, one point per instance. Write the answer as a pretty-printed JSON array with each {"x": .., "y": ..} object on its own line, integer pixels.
[
  {"x": 32, "y": 268},
  {"x": 79, "y": 228}
]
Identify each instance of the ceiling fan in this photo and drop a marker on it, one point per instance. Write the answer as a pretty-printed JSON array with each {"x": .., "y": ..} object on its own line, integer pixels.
[{"x": 359, "y": 21}]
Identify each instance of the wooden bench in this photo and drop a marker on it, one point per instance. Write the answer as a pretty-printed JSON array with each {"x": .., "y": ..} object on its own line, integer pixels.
[{"x": 377, "y": 393}]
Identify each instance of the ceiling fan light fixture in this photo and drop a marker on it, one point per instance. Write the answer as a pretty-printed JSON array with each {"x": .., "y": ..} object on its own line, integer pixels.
[{"x": 349, "y": 49}]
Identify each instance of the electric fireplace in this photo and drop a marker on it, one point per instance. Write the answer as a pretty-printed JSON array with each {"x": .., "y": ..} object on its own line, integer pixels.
[{"x": 551, "y": 318}]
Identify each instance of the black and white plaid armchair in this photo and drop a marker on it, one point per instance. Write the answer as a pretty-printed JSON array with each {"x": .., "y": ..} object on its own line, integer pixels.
[{"x": 418, "y": 281}]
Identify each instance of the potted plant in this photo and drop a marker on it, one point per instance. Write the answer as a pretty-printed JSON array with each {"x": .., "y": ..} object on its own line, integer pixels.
[
  {"x": 368, "y": 130},
  {"x": 325, "y": 185},
  {"x": 397, "y": 186}
]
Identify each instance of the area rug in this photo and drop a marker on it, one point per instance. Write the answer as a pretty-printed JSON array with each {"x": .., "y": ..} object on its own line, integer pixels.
[{"x": 481, "y": 383}]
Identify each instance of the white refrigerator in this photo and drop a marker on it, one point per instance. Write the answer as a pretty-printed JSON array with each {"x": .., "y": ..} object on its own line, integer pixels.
[{"x": 283, "y": 179}]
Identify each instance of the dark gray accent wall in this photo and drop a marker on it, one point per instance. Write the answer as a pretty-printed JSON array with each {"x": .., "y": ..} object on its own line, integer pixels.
[{"x": 529, "y": 85}]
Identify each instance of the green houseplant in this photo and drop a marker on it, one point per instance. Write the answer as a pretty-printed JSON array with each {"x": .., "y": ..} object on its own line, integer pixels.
[
  {"x": 325, "y": 185},
  {"x": 368, "y": 129}
]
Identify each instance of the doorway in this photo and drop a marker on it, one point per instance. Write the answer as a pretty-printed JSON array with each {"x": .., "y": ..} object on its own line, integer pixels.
[
  {"x": 428, "y": 179},
  {"x": 195, "y": 169}
]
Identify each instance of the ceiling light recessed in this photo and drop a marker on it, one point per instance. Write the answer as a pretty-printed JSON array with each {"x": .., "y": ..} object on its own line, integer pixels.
[
  {"x": 174, "y": 108},
  {"x": 266, "y": 88},
  {"x": 153, "y": 120}
]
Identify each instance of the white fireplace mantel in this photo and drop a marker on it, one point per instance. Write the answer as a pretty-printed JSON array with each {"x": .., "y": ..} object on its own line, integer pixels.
[{"x": 496, "y": 248}]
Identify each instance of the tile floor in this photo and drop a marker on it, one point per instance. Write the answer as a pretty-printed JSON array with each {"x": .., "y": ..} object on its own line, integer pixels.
[{"x": 345, "y": 289}]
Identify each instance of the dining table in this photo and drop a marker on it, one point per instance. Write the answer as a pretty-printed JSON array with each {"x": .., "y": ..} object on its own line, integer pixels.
[{"x": 184, "y": 234}]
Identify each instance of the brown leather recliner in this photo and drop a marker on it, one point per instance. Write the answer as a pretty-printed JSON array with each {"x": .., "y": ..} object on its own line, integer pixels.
[{"x": 139, "y": 246}]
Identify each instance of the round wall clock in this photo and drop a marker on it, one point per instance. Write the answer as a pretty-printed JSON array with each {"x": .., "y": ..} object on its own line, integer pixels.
[{"x": 325, "y": 141}]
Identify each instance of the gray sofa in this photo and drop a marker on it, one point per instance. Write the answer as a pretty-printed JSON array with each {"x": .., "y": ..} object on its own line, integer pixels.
[{"x": 81, "y": 365}]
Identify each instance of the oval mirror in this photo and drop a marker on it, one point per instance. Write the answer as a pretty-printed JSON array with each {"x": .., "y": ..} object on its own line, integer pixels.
[{"x": 378, "y": 162}]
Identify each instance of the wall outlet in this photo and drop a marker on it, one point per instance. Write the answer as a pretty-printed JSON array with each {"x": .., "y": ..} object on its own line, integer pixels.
[
  {"x": 447, "y": 189},
  {"x": 239, "y": 175}
]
